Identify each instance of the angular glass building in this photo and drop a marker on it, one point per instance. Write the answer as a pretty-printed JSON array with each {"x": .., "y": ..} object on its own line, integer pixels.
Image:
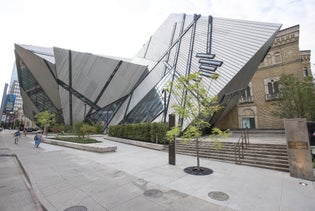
[{"x": 77, "y": 86}]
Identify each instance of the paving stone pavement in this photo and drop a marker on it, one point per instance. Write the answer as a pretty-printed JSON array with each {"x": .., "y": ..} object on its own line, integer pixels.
[{"x": 135, "y": 178}]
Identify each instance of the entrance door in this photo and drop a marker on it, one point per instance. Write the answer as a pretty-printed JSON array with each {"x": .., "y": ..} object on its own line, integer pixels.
[{"x": 248, "y": 122}]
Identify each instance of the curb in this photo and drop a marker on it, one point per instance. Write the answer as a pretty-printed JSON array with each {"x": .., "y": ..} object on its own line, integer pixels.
[
  {"x": 153, "y": 146},
  {"x": 27, "y": 181},
  {"x": 86, "y": 147}
]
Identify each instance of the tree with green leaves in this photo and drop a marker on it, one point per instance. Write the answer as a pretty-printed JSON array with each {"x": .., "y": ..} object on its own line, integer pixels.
[
  {"x": 296, "y": 98},
  {"x": 83, "y": 129},
  {"x": 45, "y": 120},
  {"x": 17, "y": 123},
  {"x": 194, "y": 104}
]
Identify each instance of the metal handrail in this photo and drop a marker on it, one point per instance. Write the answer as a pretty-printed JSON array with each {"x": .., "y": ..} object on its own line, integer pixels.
[{"x": 240, "y": 146}]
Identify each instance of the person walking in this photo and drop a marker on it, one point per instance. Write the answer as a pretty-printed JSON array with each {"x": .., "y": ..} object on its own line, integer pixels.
[
  {"x": 17, "y": 135},
  {"x": 37, "y": 138}
]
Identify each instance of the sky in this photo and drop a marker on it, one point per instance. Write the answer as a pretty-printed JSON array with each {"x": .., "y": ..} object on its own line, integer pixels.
[{"x": 121, "y": 27}]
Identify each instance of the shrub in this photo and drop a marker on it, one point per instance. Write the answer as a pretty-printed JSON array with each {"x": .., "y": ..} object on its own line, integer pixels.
[
  {"x": 57, "y": 128},
  {"x": 68, "y": 129},
  {"x": 98, "y": 128},
  {"x": 83, "y": 129},
  {"x": 147, "y": 132},
  {"x": 80, "y": 140}
]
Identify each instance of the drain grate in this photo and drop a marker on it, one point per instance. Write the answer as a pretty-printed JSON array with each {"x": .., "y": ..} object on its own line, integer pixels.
[
  {"x": 219, "y": 196},
  {"x": 76, "y": 208},
  {"x": 153, "y": 193}
]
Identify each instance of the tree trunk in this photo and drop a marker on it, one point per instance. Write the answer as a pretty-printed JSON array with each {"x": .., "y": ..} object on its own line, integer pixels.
[
  {"x": 45, "y": 131},
  {"x": 197, "y": 154}
]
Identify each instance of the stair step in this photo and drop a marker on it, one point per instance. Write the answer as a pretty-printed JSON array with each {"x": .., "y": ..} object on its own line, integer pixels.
[
  {"x": 232, "y": 157},
  {"x": 285, "y": 169},
  {"x": 232, "y": 145},
  {"x": 269, "y": 156},
  {"x": 267, "y": 165},
  {"x": 232, "y": 151}
]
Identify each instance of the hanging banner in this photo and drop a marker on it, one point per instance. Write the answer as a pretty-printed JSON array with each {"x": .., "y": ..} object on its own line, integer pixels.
[{"x": 10, "y": 101}]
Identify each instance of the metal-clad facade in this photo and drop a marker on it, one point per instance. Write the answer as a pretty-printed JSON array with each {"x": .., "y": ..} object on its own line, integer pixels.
[{"x": 113, "y": 91}]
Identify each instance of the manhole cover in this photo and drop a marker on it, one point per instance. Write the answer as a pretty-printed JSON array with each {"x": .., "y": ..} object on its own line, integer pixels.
[
  {"x": 154, "y": 193},
  {"x": 219, "y": 196},
  {"x": 195, "y": 171},
  {"x": 76, "y": 208}
]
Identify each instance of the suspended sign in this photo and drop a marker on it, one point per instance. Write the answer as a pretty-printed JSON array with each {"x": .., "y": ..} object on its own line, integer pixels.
[{"x": 10, "y": 101}]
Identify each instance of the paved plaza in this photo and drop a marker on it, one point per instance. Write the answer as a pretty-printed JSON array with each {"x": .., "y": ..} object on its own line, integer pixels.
[{"x": 137, "y": 178}]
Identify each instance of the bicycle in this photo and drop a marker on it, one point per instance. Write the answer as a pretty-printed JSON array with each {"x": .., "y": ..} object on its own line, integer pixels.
[
  {"x": 16, "y": 135},
  {"x": 16, "y": 140}
]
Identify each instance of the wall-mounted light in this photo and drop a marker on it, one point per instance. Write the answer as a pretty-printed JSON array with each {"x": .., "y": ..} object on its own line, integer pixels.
[{"x": 303, "y": 183}]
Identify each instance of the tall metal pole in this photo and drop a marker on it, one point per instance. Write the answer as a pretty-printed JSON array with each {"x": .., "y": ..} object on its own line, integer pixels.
[
  {"x": 165, "y": 110},
  {"x": 171, "y": 146}
]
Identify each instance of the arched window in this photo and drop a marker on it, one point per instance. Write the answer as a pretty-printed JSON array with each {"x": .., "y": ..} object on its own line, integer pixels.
[
  {"x": 270, "y": 88},
  {"x": 246, "y": 95},
  {"x": 246, "y": 92},
  {"x": 275, "y": 87}
]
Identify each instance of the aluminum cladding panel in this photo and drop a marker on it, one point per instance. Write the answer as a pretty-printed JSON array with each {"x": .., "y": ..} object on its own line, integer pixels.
[
  {"x": 239, "y": 44},
  {"x": 89, "y": 72},
  {"x": 62, "y": 64},
  {"x": 122, "y": 83},
  {"x": 64, "y": 98},
  {"x": 159, "y": 42},
  {"x": 236, "y": 42},
  {"x": 39, "y": 69},
  {"x": 45, "y": 53},
  {"x": 28, "y": 106}
]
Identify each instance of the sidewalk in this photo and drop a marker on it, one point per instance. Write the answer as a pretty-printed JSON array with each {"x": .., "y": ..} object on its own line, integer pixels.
[{"x": 135, "y": 178}]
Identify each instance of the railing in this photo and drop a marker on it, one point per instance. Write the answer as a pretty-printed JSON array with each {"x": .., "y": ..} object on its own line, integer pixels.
[
  {"x": 275, "y": 96},
  {"x": 240, "y": 146},
  {"x": 246, "y": 99}
]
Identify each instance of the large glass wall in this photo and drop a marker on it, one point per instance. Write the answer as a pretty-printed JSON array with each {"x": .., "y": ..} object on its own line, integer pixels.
[
  {"x": 147, "y": 109},
  {"x": 35, "y": 92},
  {"x": 104, "y": 115}
]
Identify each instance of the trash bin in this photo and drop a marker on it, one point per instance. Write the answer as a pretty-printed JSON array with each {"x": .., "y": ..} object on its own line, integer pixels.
[
  {"x": 311, "y": 132},
  {"x": 311, "y": 135}
]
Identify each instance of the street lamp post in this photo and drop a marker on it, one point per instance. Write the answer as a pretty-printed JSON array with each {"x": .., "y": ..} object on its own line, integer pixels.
[{"x": 164, "y": 110}]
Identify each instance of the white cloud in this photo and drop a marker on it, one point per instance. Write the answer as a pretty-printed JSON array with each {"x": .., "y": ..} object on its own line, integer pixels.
[{"x": 121, "y": 27}]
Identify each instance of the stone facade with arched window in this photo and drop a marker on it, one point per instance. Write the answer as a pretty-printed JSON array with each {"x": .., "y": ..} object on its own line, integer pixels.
[{"x": 284, "y": 57}]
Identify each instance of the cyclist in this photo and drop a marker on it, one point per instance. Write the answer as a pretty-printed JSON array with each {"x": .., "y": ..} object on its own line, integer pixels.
[{"x": 17, "y": 135}]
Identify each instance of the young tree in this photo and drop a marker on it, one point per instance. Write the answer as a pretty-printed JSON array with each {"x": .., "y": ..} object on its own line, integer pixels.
[
  {"x": 297, "y": 98},
  {"x": 82, "y": 129},
  {"x": 45, "y": 119},
  {"x": 196, "y": 105}
]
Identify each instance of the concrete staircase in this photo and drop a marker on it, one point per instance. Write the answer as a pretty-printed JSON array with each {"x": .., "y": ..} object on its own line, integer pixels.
[{"x": 269, "y": 156}]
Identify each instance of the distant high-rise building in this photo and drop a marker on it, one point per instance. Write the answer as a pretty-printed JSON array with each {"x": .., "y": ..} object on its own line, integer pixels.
[
  {"x": 3, "y": 101},
  {"x": 15, "y": 90}
]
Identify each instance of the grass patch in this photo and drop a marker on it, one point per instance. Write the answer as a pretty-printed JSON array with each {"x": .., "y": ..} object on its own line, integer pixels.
[{"x": 79, "y": 140}]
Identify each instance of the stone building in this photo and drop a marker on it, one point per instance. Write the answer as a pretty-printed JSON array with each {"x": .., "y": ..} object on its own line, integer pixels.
[{"x": 254, "y": 109}]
